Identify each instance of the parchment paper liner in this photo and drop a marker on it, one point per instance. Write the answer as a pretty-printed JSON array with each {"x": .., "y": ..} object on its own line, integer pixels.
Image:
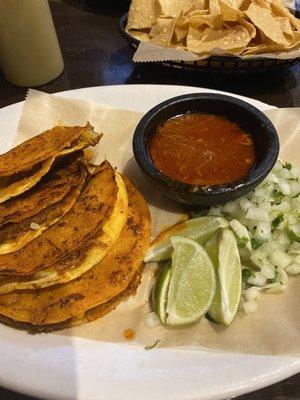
[{"x": 273, "y": 329}]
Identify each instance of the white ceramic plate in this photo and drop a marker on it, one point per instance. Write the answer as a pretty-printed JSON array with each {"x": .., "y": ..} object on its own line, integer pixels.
[{"x": 56, "y": 367}]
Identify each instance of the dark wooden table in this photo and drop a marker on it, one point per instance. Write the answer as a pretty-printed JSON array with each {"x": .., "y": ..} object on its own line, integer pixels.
[{"x": 95, "y": 54}]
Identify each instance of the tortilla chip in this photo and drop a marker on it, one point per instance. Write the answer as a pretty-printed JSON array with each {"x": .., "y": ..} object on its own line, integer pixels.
[
  {"x": 143, "y": 14},
  {"x": 15, "y": 236},
  {"x": 181, "y": 28},
  {"x": 214, "y": 7},
  {"x": 94, "y": 205},
  {"x": 235, "y": 4},
  {"x": 104, "y": 282},
  {"x": 162, "y": 31},
  {"x": 286, "y": 28},
  {"x": 250, "y": 28},
  {"x": 213, "y": 21},
  {"x": 141, "y": 36},
  {"x": 80, "y": 260},
  {"x": 279, "y": 10},
  {"x": 57, "y": 141},
  {"x": 264, "y": 20},
  {"x": 229, "y": 13},
  {"x": 224, "y": 38},
  {"x": 200, "y": 6},
  {"x": 51, "y": 189},
  {"x": 171, "y": 8},
  {"x": 265, "y": 48}
]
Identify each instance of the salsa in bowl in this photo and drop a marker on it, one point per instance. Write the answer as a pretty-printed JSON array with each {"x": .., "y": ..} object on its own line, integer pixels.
[{"x": 205, "y": 149}]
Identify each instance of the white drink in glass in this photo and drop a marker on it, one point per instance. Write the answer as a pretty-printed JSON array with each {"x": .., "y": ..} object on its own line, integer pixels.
[{"x": 29, "y": 50}]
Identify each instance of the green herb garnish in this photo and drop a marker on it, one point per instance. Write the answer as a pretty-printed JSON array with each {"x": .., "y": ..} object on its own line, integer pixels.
[
  {"x": 296, "y": 195},
  {"x": 256, "y": 243},
  {"x": 288, "y": 166},
  {"x": 278, "y": 195},
  {"x": 246, "y": 274},
  {"x": 293, "y": 236},
  {"x": 277, "y": 221}
]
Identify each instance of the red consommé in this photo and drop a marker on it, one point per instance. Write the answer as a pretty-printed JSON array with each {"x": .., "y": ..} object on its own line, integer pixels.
[{"x": 202, "y": 149}]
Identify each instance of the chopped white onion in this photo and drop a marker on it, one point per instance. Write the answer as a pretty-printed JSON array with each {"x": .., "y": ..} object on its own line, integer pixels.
[
  {"x": 263, "y": 231},
  {"x": 281, "y": 275},
  {"x": 297, "y": 259},
  {"x": 284, "y": 186},
  {"x": 295, "y": 172},
  {"x": 251, "y": 294},
  {"x": 250, "y": 306},
  {"x": 34, "y": 226},
  {"x": 232, "y": 208},
  {"x": 283, "y": 206},
  {"x": 280, "y": 259},
  {"x": 267, "y": 270},
  {"x": 257, "y": 214},
  {"x": 283, "y": 240},
  {"x": 277, "y": 289},
  {"x": 285, "y": 173},
  {"x": 271, "y": 216},
  {"x": 257, "y": 279},
  {"x": 245, "y": 204},
  {"x": 293, "y": 269},
  {"x": 295, "y": 187}
]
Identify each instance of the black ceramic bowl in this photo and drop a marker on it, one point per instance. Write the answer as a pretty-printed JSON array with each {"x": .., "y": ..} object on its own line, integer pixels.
[{"x": 249, "y": 118}]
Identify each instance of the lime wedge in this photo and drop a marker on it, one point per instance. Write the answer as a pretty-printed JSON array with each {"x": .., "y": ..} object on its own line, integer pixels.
[
  {"x": 199, "y": 229},
  {"x": 192, "y": 283},
  {"x": 224, "y": 254},
  {"x": 159, "y": 292}
]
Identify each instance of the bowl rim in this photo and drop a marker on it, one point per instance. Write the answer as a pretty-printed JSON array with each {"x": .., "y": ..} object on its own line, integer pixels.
[{"x": 256, "y": 174}]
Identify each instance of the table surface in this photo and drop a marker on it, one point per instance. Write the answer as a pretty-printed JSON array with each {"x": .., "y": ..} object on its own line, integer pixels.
[{"x": 95, "y": 54}]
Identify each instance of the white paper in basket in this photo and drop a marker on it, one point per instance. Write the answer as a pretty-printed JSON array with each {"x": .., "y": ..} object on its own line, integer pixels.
[
  {"x": 147, "y": 52},
  {"x": 273, "y": 329}
]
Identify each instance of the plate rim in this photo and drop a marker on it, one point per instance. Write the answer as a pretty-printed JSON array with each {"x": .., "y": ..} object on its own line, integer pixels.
[{"x": 277, "y": 375}]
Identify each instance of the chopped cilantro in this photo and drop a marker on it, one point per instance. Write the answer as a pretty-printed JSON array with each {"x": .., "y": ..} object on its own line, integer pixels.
[
  {"x": 241, "y": 242},
  {"x": 288, "y": 166},
  {"x": 277, "y": 221},
  {"x": 247, "y": 273},
  {"x": 256, "y": 243},
  {"x": 278, "y": 195},
  {"x": 293, "y": 236}
]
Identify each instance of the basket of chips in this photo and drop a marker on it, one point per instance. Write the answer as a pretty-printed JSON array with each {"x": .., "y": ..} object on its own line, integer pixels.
[{"x": 215, "y": 36}]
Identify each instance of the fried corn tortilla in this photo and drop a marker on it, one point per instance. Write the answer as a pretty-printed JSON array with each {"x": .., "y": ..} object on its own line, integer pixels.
[
  {"x": 88, "y": 316},
  {"x": 60, "y": 140},
  {"x": 143, "y": 13},
  {"x": 64, "y": 175},
  {"x": 15, "y": 236},
  {"x": 13, "y": 185},
  {"x": 100, "y": 285},
  {"x": 80, "y": 260},
  {"x": 94, "y": 205}
]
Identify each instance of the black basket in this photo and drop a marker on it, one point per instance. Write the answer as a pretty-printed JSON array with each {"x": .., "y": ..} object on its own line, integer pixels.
[{"x": 218, "y": 64}]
